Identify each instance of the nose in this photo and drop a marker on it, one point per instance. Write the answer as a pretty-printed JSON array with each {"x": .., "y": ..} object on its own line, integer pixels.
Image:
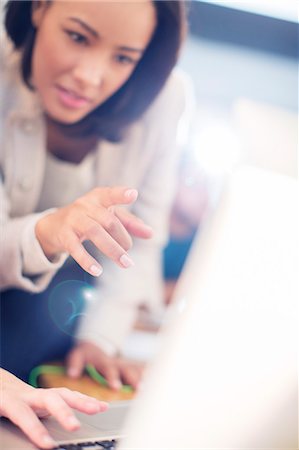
[{"x": 90, "y": 71}]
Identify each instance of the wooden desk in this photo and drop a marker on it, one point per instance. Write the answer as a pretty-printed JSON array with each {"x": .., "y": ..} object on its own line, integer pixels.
[{"x": 85, "y": 385}]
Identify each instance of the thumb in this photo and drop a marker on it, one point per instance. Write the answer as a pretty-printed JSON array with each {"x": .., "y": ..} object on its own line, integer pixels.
[{"x": 75, "y": 363}]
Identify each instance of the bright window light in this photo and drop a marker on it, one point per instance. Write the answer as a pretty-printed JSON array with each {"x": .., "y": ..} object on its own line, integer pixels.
[{"x": 216, "y": 148}]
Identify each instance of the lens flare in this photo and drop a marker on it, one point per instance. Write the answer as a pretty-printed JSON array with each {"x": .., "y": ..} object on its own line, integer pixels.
[{"x": 67, "y": 303}]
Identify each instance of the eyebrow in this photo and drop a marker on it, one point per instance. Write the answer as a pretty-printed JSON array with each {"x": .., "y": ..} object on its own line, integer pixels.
[
  {"x": 96, "y": 34},
  {"x": 85, "y": 26},
  {"x": 131, "y": 49}
]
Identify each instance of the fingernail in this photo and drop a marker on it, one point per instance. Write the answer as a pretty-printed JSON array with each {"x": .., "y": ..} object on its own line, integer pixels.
[
  {"x": 95, "y": 406},
  {"x": 126, "y": 261},
  {"x": 104, "y": 406},
  {"x": 116, "y": 385},
  {"x": 73, "y": 372},
  {"x": 96, "y": 270},
  {"x": 73, "y": 422},
  {"x": 48, "y": 441},
  {"x": 131, "y": 193}
]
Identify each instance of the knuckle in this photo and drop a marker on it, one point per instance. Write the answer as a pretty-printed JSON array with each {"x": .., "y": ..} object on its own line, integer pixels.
[
  {"x": 96, "y": 191},
  {"x": 128, "y": 244},
  {"x": 49, "y": 394},
  {"x": 69, "y": 243},
  {"x": 92, "y": 232},
  {"x": 97, "y": 194},
  {"x": 65, "y": 410},
  {"x": 70, "y": 212},
  {"x": 36, "y": 428},
  {"x": 63, "y": 390},
  {"x": 79, "y": 201},
  {"x": 111, "y": 224},
  {"x": 110, "y": 192},
  {"x": 77, "y": 393},
  {"x": 41, "y": 392},
  {"x": 78, "y": 208}
]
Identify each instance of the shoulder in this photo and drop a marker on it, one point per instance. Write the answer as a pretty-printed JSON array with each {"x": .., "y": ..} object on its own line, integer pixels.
[
  {"x": 9, "y": 66},
  {"x": 14, "y": 95}
]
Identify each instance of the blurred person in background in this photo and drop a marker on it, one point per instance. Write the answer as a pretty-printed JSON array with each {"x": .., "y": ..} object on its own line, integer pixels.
[{"x": 187, "y": 213}]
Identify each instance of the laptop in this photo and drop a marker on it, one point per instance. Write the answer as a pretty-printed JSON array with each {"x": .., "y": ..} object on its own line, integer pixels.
[{"x": 225, "y": 375}]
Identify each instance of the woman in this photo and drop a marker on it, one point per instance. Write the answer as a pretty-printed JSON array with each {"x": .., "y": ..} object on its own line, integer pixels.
[{"x": 87, "y": 102}]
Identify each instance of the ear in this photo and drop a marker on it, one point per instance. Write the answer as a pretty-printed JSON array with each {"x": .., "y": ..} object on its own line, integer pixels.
[{"x": 38, "y": 11}]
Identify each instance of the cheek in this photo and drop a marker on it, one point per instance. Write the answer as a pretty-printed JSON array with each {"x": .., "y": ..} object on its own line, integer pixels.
[{"x": 55, "y": 62}]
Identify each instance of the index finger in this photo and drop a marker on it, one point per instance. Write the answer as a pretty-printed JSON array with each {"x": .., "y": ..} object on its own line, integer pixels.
[{"x": 117, "y": 195}]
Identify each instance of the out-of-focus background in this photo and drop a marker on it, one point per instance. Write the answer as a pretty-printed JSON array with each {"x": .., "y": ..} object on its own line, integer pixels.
[
  {"x": 243, "y": 48},
  {"x": 241, "y": 58}
]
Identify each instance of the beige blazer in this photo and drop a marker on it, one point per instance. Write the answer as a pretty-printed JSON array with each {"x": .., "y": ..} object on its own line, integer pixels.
[{"x": 145, "y": 159}]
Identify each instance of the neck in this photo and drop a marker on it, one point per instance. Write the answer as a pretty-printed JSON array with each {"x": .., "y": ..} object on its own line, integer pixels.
[{"x": 65, "y": 146}]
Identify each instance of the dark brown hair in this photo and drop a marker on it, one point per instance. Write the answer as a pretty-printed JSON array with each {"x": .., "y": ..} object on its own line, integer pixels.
[{"x": 110, "y": 119}]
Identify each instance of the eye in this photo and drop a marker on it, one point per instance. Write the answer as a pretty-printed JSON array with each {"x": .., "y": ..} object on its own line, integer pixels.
[
  {"x": 125, "y": 60},
  {"x": 77, "y": 37}
]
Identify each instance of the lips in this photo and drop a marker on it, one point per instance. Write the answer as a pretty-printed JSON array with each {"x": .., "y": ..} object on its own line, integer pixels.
[{"x": 71, "y": 99}]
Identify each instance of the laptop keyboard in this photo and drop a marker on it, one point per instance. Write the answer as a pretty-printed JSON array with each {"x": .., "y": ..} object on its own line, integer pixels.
[{"x": 98, "y": 445}]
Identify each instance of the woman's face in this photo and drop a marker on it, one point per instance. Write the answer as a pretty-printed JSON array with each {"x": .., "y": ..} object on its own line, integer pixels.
[{"x": 85, "y": 51}]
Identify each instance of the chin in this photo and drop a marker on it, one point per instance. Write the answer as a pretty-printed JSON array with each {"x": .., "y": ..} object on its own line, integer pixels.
[{"x": 66, "y": 119}]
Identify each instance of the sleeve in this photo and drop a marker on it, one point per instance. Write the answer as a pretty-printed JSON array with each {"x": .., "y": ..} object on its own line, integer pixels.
[
  {"x": 23, "y": 263},
  {"x": 109, "y": 319}
]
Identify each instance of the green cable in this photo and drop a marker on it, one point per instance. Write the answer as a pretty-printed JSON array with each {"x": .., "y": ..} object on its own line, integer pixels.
[
  {"x": 59, "y": 370},
  {"x": 39, "y": 370},
  {"x": 95, "y": 375}
]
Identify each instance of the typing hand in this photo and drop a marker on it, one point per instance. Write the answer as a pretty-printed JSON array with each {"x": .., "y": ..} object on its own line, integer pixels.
[
  {"x": 114, "y": 369},
  {"x": 23, "y": 405},
  {"x": 97, "y": 217}
]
